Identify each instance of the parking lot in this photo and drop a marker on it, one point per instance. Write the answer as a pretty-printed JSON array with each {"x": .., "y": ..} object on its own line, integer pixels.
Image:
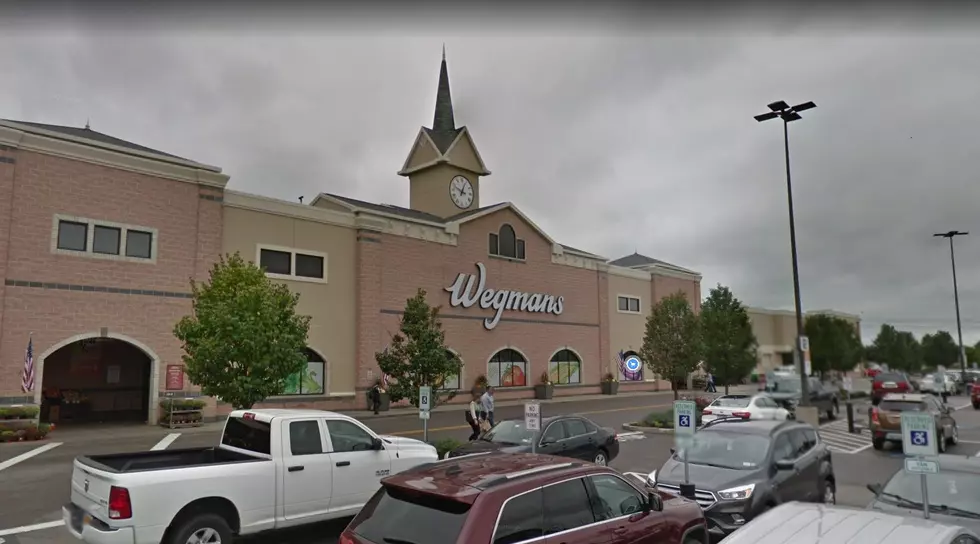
[{"x": 34, "y": 476}]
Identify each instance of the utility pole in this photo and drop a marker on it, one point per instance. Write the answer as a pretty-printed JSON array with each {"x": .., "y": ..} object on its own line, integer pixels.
[{"x": 956, "y": 296}]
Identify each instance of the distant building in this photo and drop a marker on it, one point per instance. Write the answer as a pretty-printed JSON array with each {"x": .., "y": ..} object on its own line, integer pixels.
[{"x": 775, "y": 331}]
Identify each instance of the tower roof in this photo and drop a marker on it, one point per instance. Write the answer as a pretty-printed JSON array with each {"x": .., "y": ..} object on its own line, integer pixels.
[{"x": 443, "y": 130}]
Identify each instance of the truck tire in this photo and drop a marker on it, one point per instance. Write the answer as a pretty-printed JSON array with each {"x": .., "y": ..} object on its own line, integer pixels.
[
  {"x": 878, "y": 443},
  {"x": 207, "y": 528},
  {"x": 976, "y": 405}
]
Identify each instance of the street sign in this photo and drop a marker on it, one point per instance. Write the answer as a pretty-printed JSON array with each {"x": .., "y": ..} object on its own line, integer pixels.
[
  {"x": 804, "y": 344},
  {"x": 916, "y": 465},
  {"x": 918, "y": 434},
  {"x": 424, "y": 415},
  {"x": 685, "y": 418},
  {"x": 425, "y": 398},
  {"x": 532, "y": 416}
]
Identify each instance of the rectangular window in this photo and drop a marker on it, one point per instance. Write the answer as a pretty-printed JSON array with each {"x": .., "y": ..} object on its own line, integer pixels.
[
  {"x": 507, "y": 373},
  {"x": 139, "y": 244},
  {"x": 309, "y": 266},
  {"x": 520, "y": 249},
  {"x": 494, "y": 244},
  {"x": 307, "y": 382},
  {"x": 276, "y": 262},
  {"x": 72, "y": 236},
  {"x": 522, "y": 519},
  {"x": 628, "y": 304},
  {"x": 304, "y": 437},
  {"x": 105, "y": 240}
]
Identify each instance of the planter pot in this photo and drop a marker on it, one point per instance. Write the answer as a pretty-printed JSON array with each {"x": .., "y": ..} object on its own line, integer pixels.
[
  {"x": 544, "y": 392},
  {"x": 610, "y": 388},
  {"x": 385, "y": 403}
]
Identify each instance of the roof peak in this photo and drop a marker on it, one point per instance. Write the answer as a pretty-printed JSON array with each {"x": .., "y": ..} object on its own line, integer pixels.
[{"x": 443, "y": 121}]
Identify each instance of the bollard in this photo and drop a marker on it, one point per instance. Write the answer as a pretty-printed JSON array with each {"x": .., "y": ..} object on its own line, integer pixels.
[
  {"x": 850, "y": 417},
  {"x": 687, "y": 491}
]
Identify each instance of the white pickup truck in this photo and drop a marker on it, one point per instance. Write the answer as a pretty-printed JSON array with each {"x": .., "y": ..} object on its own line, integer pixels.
[{"x": 272, "y": 469}]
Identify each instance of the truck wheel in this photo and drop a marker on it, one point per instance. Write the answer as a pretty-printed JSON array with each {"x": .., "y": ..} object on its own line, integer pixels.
[
  {"x": 201, "y": 529},
  {"x": 878, "y": 443},
  {"x": 976, "y": 405}
]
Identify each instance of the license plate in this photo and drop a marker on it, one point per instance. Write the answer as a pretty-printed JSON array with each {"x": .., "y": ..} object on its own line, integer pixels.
[
  {"x": 890, "y": 385},
  {"x": 893, "y": 436}
]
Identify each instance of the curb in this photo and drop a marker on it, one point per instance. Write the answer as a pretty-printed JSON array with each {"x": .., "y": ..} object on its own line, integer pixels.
[{"x": 645, "y": 429}]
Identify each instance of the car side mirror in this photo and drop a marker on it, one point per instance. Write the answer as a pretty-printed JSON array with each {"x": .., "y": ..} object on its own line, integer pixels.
[
  {"x": 654, "y": 502},
  {"x": 673, "y": 450},
  {"x": 377, "y": 444},
  {"x": 875, "y": 488},
  {"x": 785, "y": 464}
]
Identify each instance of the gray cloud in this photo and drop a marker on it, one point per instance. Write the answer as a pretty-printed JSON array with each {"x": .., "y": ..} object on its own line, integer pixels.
[{"x": 645, "y": 141}]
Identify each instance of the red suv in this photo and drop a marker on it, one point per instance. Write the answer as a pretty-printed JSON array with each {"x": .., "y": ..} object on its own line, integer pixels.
[
  {"x": 889, "y": 382},
  {"x": 502, "y": 498}
]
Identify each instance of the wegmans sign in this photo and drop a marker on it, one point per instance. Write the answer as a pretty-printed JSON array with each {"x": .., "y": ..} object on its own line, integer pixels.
[{"x": 470, "y": 290}]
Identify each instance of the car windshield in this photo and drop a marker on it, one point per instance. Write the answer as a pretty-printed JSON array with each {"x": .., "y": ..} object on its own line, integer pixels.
[
  {"x": 509, "y": 433},
  {"x": 783, "y": 384},
  {"x": 394, "y": 515},
  {"x": 731, "y": 402},
  {"x": 726, "y": 449},
  {"x": 900, "y": 406},
  {"x": 889, "y": 377},
  {"x": 949, "y": 491}
]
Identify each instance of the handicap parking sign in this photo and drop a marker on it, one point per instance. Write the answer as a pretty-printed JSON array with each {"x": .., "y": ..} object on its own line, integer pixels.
[
  {"x": 919, "y": 434},
  {"x": 920, "y": 438},
  {"x": 685, "y": 418},
  {"x": 684, "y": 421}
]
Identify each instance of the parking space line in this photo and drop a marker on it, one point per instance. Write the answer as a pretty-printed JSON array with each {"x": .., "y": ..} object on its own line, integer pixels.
[
  {"x": 31, "y": 528},
  {"x": 165, "y": 442},
  {"x": 27, "y": 455}
]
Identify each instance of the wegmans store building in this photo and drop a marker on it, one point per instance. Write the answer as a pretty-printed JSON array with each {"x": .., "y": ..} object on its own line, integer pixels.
[{"x": 99, "y": 237}]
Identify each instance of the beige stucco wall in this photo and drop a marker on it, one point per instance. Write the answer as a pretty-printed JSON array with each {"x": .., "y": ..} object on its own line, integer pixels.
[
  {"x": 331, "y": 304},
  {"x": 775, "y": 330},
  {"x": 626, "y": 329}
]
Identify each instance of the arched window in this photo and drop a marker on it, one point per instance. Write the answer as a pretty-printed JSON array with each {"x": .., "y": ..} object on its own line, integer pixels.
[
  {"x": 507, "y": 368},
  {"x": 311, "y": 380},
  {"x": 565, "y": 367},
  {"x": 630, "y": 367},
  {"x": 451, "y": 383},
  {"x": 508, "y": 241}
]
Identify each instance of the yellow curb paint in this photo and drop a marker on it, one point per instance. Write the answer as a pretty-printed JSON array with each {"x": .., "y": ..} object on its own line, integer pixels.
[{"x": 466, "y": 427}]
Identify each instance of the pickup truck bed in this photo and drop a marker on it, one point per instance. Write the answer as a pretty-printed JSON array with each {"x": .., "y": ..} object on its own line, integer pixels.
[{"x": 165, "y": 459}]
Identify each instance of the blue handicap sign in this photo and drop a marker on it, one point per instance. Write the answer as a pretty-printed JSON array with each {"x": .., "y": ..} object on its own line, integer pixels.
[
  {"x": 685, "y": 421},
  {"x": 920, "y": 438}
]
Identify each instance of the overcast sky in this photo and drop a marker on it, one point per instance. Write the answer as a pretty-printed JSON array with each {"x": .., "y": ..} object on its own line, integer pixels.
[{"x": 611, "y": 144}]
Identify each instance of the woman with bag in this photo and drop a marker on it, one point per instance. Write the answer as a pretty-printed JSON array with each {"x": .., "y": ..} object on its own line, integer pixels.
[{"x": 472, "y": 418}]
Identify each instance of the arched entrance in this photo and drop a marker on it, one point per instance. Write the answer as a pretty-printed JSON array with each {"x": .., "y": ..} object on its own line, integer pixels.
[{"x": 97, "y": 380}]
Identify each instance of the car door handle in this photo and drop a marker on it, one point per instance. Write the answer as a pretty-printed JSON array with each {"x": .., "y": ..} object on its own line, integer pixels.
[
  {"x": 296, "y": 468},
  {"x": 343, "y": 463},
  {"x": 619, "y": 531}
]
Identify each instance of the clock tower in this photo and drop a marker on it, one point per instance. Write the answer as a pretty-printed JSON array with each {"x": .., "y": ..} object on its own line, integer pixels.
[{"x": 444, "y": 168}]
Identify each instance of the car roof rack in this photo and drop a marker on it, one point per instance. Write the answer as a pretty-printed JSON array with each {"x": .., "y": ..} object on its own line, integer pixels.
[{"x": 510, "y": 476}]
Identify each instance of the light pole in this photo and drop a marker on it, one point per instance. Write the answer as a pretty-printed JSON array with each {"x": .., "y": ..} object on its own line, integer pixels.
[
  {"x": 956, "y": 294},
  {"x": 782, "y": 110}
]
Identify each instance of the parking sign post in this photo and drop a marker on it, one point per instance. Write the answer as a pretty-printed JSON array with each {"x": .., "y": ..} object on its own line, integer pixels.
[
  {"x": 532, "y": 422},
  {"x": 685, "y": 422},
  {"x": 425, "y": 407},
  {"x": 919, "y": 441}
]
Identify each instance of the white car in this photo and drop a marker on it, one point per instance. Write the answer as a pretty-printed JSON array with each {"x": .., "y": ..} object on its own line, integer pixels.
[
  {"x": 758, "y": 406},
  {"x": 928, "y": 384},
  {"x": 272, "y": 469}
]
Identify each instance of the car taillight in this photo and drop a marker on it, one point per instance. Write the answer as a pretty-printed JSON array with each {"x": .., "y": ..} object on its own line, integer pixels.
[
  {"x": 876, "y": 385},
  {"x": 346, "y": 538},
  {"x": 743, "y": 415},
  {"x": 903, "y": 386},
  {"x": 706, "y": 412},
  {"x": 120, "y": 507},
  {"x": 874, "y": 415}
]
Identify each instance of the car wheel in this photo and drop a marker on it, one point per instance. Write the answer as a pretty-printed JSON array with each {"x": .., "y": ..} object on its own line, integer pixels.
[
  {"x": 955, "y": 438},
  {"x": 828, "y": 495},
  {"x": 202, "y": 529},
  {"x": 878, "y": 443},
  {"x": 600, "y": 458},
  {"x": 942, "y": 442},
  {"x": 976, "y": 405}
]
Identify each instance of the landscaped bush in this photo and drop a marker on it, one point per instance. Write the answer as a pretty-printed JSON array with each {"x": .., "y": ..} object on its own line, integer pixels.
[
  {"x": 182, "y": 404},
  {"x": 18, "y": 412},
  {"x": 31, "y": 432},
  {"x": 660, "y": 420},
  {"x": 445, "y": 446}
]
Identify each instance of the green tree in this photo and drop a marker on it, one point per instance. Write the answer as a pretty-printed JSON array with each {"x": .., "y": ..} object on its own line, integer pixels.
[
  {"x": 729, "y": 343},
  {"x": 672, "y": 344},
  {"x": 898, "y": 349},
  {"x": 418, "y": 355},
  {"x": 834, "y": 343},
  {"x": 243, "y": 338},
  {"x": 940, "y": 349}
]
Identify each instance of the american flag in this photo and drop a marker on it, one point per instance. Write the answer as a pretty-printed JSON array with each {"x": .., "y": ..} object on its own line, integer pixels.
[
  {"x": 27, "y": 380},
  {"x": 385, "y": 378}
]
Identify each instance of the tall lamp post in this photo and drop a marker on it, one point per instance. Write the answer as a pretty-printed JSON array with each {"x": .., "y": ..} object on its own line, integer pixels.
[
  {"x": 956, "y": 294},
  {"x": 782, "y": 110}
]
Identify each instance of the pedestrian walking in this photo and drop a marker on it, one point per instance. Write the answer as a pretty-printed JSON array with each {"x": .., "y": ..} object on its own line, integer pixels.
[
  {"x": 709, "y": 384},
  {"x": 375, "y": 396},
  {"x": 473, "y": 416},
  {"x": 486, "y": 406}
]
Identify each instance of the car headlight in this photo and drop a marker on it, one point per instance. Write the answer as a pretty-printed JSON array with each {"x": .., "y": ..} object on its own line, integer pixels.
[{"x": 737, "y": 493}]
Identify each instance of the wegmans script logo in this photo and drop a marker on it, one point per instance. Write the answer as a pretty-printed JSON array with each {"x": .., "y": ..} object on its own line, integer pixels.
[{"x": 470, "y": 289}]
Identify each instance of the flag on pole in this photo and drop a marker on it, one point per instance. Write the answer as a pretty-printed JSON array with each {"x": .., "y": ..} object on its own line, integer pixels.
[
  {"x": 27, "y": 379},
  {"x": 385, "y": 379}
]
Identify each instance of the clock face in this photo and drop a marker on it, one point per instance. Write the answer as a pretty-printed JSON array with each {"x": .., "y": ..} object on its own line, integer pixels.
[{"x": 461, "y": 191}]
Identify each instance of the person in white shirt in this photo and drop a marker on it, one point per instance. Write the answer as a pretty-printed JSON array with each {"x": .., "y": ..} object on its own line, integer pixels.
[
  {"x": 473, "y": 416},
  {"x": 486, "y": 406}
]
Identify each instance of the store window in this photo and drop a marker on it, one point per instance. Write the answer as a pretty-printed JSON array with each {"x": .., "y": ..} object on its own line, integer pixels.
[
  {"x": 293, "y": 264},
  {"x": 630, "y": 367},
  {"x": 103, "y": 239},
  {"x": 628, "y": 304},
  {"x": 565, "y": 367},
  {"x": 507, "y": 368},
  {"x": 451, "y": 383},
  {"x": 505, "y": 243},
  {"x": 309, "y": 381}
]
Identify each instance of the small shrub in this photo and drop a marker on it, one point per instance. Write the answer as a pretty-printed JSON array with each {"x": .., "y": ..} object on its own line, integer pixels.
[
  {"x": 182, "y": 404},
  {"x": 445, "y": 446},
  {"x": 663, "y": 420},
  {"x": 19, "y": 412}
]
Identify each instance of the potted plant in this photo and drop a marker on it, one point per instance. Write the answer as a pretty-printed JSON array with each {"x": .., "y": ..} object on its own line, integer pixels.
[
  {"x": 545, "y": 389},
  {"x": 609, "y": 384}
]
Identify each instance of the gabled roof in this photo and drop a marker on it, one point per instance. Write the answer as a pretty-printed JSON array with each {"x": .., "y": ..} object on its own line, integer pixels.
[
  {"x": 354, "y": 205},
  {"x": 482, "y": 212},
  {"x": 91, "y": 137},
  {"x": 639, "y": 261}
]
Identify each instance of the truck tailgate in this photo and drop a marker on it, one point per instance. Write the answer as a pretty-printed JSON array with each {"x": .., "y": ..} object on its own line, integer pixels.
[{"x": 90, "y": 490}]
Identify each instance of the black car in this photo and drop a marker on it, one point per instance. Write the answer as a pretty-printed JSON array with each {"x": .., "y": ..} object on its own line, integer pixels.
[
  {"x": 953, "y": 493},
  {"x": 565, "y": 435},
  {"x": 742, "y": 467},
  {"x": 786, "y": 391}
]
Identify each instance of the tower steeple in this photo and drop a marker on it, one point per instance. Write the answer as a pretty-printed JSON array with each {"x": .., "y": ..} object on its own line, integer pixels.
[{"x": 443, "y": 122}]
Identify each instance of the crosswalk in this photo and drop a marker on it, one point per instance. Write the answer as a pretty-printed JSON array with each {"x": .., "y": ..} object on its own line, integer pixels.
[
  {"x": 838, "y": 440},
  {"x": 630, "y": 436}
]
